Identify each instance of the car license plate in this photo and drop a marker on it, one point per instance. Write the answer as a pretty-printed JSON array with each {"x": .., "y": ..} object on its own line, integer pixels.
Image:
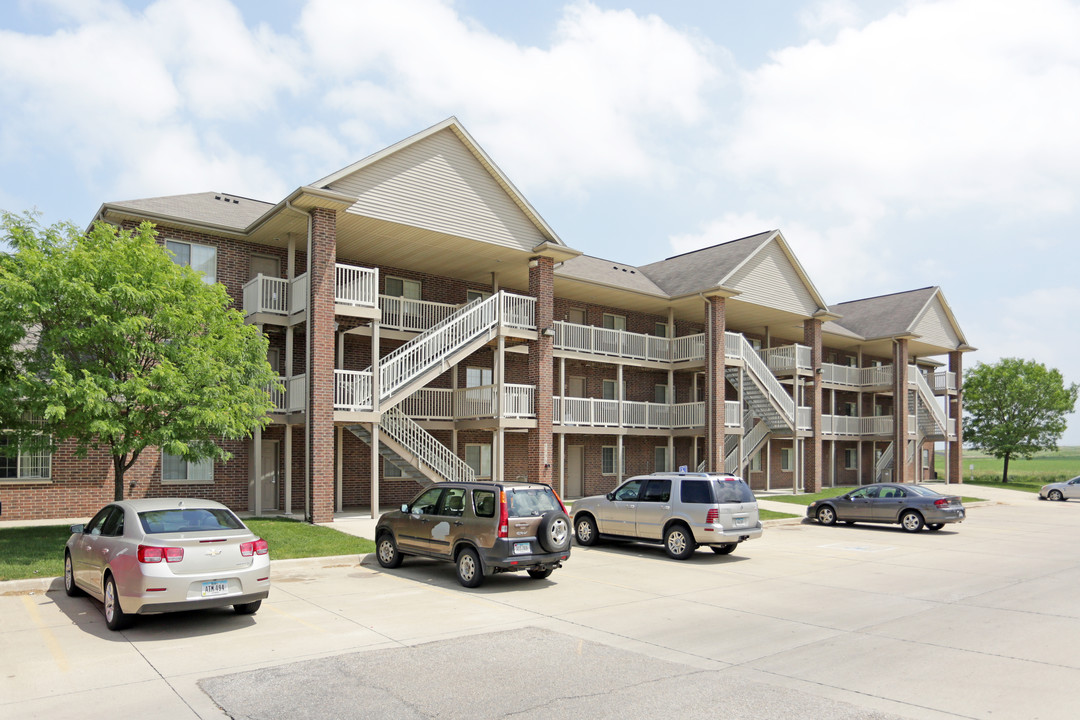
[
  {"x": 740, "y": 521},
  {"x": 522, "y": 548},
  {"x": 215, "y": 587}
]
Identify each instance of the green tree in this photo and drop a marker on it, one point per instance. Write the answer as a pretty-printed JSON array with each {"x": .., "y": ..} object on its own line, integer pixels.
[
  {"x": 1015, "y": 407},
  {"x": 104, "y": 340}
]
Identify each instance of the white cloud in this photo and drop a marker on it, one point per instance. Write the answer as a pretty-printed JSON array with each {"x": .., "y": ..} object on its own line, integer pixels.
[
  {"x": 595, "y": 95},
  {"x": 827, "y": 15},
  {"x": 940, "y": 106}
]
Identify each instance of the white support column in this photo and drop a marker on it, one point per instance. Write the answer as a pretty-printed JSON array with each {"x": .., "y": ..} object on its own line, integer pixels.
[
  {"x": 500, "y": 374},
  {"x": 670, "y": 465},
  {"x": 375, "y": 354},
  {"x": 619, "y": 391},
  {"x": 339, "y": 467},
  {"x": 562, "y": 464},
  {"x": 288, "y": 469},
  {"x": 768, "y": 464},
  {"x": 500, "y": 447},
  {"x": 375, "y": 471},
  {"x": 258, "y": 470},
  {"x": 619, "y": 459},
  {"x": 562, "y": 394}
]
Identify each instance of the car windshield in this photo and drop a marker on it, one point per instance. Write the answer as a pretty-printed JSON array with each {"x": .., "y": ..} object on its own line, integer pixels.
[
  {"x": 733, "y": 491},
  {"x": 188, "y": 520},
  {"x": 919, "y": 490},
  {"x": 531, "y": 502}
]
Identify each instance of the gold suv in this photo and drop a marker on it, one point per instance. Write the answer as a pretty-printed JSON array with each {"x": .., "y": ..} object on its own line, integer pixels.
[{"x": 482, "y": 527}]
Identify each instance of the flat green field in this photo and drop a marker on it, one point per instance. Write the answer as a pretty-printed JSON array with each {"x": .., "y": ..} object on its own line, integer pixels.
[{"x": 1042, "y": 468}]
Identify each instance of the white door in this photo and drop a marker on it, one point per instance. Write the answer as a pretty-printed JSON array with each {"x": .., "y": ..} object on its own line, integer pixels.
[
  {"x": 269, "y": 477},
  {"x": 575, "y": 471}
]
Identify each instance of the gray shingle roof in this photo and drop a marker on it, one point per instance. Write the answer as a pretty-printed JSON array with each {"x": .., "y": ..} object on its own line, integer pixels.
[
  {"x": 212, "y": 208},
  {"x": 598, "y": 270},
  {"x": 884, "y": 315},
  {"x": 703, "y": 269}
]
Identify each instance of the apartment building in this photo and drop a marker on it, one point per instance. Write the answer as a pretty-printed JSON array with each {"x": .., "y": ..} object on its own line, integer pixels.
[{"x": 428, "y": 324}]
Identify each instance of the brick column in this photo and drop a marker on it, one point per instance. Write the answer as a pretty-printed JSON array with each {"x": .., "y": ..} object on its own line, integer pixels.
[
  {"x": 320, "y": 326},
  {"x": 956, "y": 413},
  {"x": 812, "y": 472},
  {"x": 541, "y": 368},
  {"x": 902, "y": 469},
  {"x": 715, "y": 326}
]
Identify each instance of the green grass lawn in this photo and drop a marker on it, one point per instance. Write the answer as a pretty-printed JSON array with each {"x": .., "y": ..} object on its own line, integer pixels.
[
  {"x": 773, "y": 515},
  {"x": 1042, "y": 468},
  {"x": 29, "y": 552}
]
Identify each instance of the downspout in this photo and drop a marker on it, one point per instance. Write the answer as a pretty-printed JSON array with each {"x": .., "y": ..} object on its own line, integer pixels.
[{"x": 307, "y": 373}]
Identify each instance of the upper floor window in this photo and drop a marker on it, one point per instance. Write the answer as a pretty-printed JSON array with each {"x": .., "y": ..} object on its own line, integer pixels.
[
  {"x": 201, "y": 258},
  {"x": 478, "y": 377},
  {"x": 400, "y": 287},
  {"x": 471, "y": 295},
  {"x": 24, "y": 465},
  {"x": 660, "y": 330},
  {"x": 576, "y": 316},
  {"x": 614, "y": 322}
]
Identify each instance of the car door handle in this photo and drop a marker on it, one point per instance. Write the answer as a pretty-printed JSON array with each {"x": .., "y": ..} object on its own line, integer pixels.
[{"x": 458, "y": 522}]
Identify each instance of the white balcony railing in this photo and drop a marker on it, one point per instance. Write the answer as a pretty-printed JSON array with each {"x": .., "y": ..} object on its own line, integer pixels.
[
  {"x": 298, "y": 293},
  {"x": 687, "y": 415},
  {"x": 296, "y": 393},
  {"x": 355, "y": 285},
  {"x": 787, "y": 358},
  {"x": 264, "y": 294},
  {"x": 400, "y": 313},
  {"x": 877, "y": 425},
  {"x": 943, "y": 381},
  {"x": 856, "y": 377},
  {"x": 278, "y": 393},
  {"x": 352, "y": 390},
  {"x": 732, "y": 413},
  {"x": 594, "y": 412},
  {"x": 926, "y": 394},
  {"x": 467, "y": 403},
  {"x": 620, "y": 343},
  {"x": 803, "y": 418}
]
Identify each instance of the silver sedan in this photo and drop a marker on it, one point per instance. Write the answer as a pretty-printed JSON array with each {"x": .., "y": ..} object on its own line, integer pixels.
[
  {"x": 1061, "y": 490},
  {"x": 162, "y": 555},
  {"x": 912, "y": 506}
]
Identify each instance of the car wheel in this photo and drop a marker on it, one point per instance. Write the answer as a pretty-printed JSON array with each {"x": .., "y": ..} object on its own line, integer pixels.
[
  {"x": 69, "y": 578},
  {"x": 554, "y": 532},
  {"x": 247, "y": 608},
  {"x": 585, "y": 530},
  {"x": 1055, "y": 495},
  {"x": 725, "y": 549},
  {"x": 469, "y": 571},
  {"x": 387, "y": 551},
  {"x": 679, "y": 543},
  {"x": 934, "y": 527},
  {"x": 115, "y": 617},
  {"x": 540, "y": 573},
  {"x": 826, "y": 515},
  {"x": 911, "y": 521}
]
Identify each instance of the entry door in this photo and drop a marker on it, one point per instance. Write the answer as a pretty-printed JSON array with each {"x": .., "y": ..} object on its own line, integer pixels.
[
  {"x": 269, "y": 477},
  {"x": 575, "y": 386},
  {"x": 575, "y": 471},
  {"x": 266, "y": 265}
]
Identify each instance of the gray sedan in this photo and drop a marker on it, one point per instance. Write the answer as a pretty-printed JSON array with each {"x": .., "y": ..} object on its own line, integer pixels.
[
  {"x": 912, "y": 506},
  {"x": 1061, "y": 490},
  {"x": 162, "y": 555}
]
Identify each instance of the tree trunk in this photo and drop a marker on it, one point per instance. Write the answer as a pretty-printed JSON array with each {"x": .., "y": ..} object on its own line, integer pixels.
[
  {"x": 118, "y": 477},
  {"x": 1005, "y": 471}
]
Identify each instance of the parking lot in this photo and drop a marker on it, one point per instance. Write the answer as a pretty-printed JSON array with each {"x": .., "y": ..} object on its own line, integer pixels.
[{"x": 977, "y": 620}]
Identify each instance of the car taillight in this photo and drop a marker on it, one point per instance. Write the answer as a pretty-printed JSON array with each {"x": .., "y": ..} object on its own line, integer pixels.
[
  {"x": 152, "y": 554},
  {"x": 560, "y": 500},
  {"x": 713, "y": 517},
  {"x": 504, "y": 517},
  {"x": 256, "y": 547},
  {"x": 942, "y": 502}
]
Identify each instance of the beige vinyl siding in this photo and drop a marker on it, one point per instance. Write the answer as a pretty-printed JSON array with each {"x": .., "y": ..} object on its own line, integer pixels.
[
  {"x": 768, "y": 278},
  {"x": 934, "y": 327},
  {"x": 437, "y": 184}
]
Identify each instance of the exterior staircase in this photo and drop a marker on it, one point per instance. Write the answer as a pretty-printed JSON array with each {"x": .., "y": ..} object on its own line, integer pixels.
[
  {"x": 764, "y": 394},
  {"x": 929, "y": 414},
  {"x": 417, "y": 452}
]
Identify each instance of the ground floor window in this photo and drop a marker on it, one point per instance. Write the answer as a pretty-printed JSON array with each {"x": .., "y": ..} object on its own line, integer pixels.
[
  {"x": 24, "y": 465},
  {"x": 785, "y": 459},
  {"x": 607, "y": 460},
  {"x": 478, "y": 457},
  {"x": 851, "y": 458},
  {"x": 175, "y": 469},
  {"x": 660, "y": 463},
  {"x": 755, "y": 462}
]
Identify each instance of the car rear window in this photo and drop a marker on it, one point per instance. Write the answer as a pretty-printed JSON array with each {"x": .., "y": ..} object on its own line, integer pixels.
[
  {"x": 925, "y": 492},
  {"x": 188, "y": 520},
  {"x": 523, "y": 503},
  {"x": 733, "y": 491}
]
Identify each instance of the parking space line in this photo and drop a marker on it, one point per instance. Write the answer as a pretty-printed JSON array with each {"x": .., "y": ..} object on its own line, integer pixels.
[{"x": 50, "y": 639}]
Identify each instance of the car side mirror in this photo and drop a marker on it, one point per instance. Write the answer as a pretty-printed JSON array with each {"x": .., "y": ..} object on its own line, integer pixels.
[
  {"x": 405, "y": 508},
  {"x": 611, "y": 496},
  {"x": 78, "y": 529}
]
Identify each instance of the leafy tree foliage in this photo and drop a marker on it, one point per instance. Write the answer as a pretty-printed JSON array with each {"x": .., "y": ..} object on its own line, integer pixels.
[
  {"x": 104, "y": 340},
  {"x": 1016, "y": 407}
]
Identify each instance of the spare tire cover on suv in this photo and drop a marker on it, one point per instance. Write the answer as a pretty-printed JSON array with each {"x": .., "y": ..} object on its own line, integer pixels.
[{"x": 554, "y": 531}]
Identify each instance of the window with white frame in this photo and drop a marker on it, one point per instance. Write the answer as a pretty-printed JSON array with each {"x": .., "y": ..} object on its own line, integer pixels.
[
  {"x": 660, "y": 329},
  {"x": 201, "y": 258},
  {"x": 177, "y": 470},
  {"x": 610, "y": 390},
  {"x": 660, "y": 458},
  {"x": 755, "y": 462},
  {"x": 24, "y": 465},
  {"x": 607, "y": 460},
  {"x": 926, "y": 457},
  {"x": 785, "y": 459},
  {"x": 471, "y": 295},
  {"x": 400, "y": 287},
  {"x": 614, "y": 322},
  {"x": 660, "y": 394},
  {"x": 755, "y": 343},
  {"x": 478, "y": 457},
  {"x": 478, "y": 377},
  {"x": 850, "y": 409},
  {"x": 576, "y": 316},
  {"x": 851, "y": 459}
]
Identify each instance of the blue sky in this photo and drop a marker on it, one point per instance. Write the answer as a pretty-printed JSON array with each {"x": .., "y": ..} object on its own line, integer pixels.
[{"x": 896, "y": 144}]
